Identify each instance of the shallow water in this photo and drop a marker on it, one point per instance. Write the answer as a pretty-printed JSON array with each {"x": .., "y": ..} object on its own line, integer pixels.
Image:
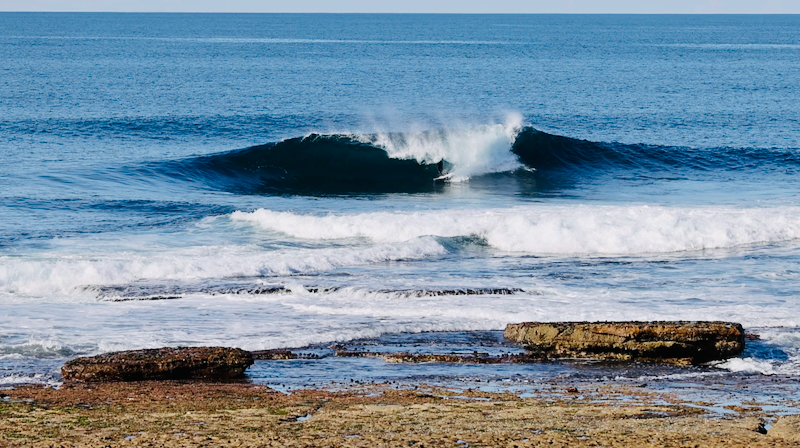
[{"x": 711, "y": 386}]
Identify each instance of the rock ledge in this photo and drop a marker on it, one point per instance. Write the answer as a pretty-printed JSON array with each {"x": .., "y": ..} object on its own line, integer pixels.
[
  {"x": 682, "y": 343},
  {"x": 209, "y": 363}
]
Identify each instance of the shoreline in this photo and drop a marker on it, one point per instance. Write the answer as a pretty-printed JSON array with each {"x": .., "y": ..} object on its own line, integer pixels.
[
  {"x": 173, "y": 413},
  {"x": 316, "y": 397}
]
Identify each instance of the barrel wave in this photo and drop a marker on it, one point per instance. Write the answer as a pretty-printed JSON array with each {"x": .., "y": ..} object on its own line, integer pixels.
[
  {"x": 425, "y": 161},
  {"x": 315, "y": 164}
]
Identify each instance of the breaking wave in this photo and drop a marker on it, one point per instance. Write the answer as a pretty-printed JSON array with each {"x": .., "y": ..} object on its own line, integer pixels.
[
  {"x": 553, "y": 229},
  {"x": 69, "y": 275},
  {"x": 422, "y": 161}
]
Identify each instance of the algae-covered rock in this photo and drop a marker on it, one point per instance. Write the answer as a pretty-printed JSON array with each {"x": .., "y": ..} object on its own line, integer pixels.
[
  {"x": 674, "y": 342},
  {"x": 209, "y": 363},
  {"x": 787, "y": 427},
  {"x": 274, "y": 354}
]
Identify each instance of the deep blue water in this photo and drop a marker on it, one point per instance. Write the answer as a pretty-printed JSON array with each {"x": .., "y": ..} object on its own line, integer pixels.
[{"x": 286, "y": 180}]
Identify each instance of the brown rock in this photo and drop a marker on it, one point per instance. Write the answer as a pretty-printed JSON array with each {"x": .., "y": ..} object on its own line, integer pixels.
[
  {"x": 209, "y": 363},
  {"x": 274, "y": 354},
  {"x": 787, "y": 427},
  {"x": 673, "y": 342}
]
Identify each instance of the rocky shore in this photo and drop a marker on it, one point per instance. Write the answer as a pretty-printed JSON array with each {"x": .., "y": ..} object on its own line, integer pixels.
[
  {"x": 204, "y": 414},
  {"x": 176, "y": 397},
  {"x": 681, "y": 343}
]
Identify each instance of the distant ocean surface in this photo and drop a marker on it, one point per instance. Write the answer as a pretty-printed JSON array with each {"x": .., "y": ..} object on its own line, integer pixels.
[{"x": 268, "y": 181}]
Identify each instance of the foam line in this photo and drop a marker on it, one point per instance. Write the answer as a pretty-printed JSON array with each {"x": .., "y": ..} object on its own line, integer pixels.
[
  {"x": 584, "y": 229},
  {"x": 68, "y": 274}
]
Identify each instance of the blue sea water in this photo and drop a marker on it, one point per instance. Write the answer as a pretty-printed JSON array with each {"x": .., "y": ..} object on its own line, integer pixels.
[{"x": 268, "y": 181}]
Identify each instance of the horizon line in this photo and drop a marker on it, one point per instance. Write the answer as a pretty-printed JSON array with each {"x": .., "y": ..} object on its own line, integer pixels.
[{"x": 421, "y": 13}]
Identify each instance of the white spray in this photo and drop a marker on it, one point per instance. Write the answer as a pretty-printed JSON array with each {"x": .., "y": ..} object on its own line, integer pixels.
[{"x": 472, "y": 151}]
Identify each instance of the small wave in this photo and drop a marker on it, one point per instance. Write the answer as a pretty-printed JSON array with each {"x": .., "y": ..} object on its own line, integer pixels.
[
  {"x": 34, "y": 378},
  {"x": 71, "y": 275},
  {"x": 554, "y": 229},
  {"x": 761, "y": 366},
  {"x": 749, "y": 365},
  {"x": 36, "y": 348},
  {"x": 777, "y": 353}
]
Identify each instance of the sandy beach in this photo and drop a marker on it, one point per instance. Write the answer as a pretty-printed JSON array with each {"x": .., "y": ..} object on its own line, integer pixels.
[{"x": 173, "y": 414}]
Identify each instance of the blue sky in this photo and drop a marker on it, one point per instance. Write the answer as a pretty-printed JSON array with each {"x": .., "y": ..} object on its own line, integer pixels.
[{"x": 425, "y": 6}]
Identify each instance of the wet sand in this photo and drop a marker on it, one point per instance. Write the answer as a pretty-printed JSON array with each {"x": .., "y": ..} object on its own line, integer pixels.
[{"x": 178, "y": 414}]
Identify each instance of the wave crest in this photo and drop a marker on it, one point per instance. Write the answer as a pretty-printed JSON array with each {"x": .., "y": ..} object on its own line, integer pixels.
[{"x": 468, "y": 152}]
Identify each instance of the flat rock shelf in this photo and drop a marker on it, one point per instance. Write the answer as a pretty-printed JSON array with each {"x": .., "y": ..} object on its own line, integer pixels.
[
  {"x": 681, "y": 343},
  {"x": 203, "y": 363}
]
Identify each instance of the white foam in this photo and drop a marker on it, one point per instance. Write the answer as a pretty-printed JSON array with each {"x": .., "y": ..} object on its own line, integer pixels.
[
  {"x": 68, "y": 274},
  {"x": 784, "y": 339},
  {"x": 299, "y": 317},
  {"x": 17, "y": 379},
  {"x": 36, "y": 347},
  {"x": 545, "y": 229},
  {"x": 471, "y": 150},
  {"x": 749, "y": 365}
]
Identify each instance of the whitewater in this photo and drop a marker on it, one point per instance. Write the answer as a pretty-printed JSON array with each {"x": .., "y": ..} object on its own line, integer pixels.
[{"x": 285, "y": 182}]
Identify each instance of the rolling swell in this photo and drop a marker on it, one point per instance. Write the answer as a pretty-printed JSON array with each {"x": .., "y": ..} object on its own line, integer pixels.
[{"x": 544, "y": 152}]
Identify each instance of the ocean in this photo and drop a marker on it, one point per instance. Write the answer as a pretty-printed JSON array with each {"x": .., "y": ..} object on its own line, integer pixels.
[{"x": 281, "y": 181}]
